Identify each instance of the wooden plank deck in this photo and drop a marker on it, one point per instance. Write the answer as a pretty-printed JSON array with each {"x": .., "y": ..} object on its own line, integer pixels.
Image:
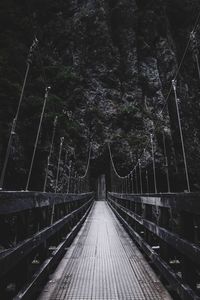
[{"x": 103, "y": 264}]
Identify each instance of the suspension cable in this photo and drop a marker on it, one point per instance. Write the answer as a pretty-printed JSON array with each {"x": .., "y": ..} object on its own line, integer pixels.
[
  {"x": 112, "y": 162},
  {"x": 50, "y": 153},
  {"x": 32, "y": 49},
  {"x": 166, "y": 100},
  {"x": 88, "y": 163},
  {"x": 37, "y": 137}
]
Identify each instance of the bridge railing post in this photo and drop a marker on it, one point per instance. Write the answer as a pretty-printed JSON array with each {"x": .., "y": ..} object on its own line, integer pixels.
[
  {"x": 163, "y": 221},
  {"x": 147, "y": 214},
  {"x": 188, "y": 268}
]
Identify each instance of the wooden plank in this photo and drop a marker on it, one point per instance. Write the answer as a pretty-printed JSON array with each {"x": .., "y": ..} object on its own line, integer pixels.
[
  {"x": 35, "y": 284},
  {"x": 189, "y": 202},
  {"x": 10, "y": 258},
  {"x": 185, "y": 247},
  {"x": 13, "y": 202}
]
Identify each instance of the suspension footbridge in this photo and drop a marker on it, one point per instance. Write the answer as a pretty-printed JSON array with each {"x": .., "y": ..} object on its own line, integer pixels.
[{"x": 124, "y": 237}]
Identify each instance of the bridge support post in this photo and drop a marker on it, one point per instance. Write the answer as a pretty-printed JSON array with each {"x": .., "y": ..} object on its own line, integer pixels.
[
  {"x": 163, "y": 221},
  {"x": 138, "y": 211},
  {"x": 147, "y": 214},
  {"x": 188, "y": 270}
]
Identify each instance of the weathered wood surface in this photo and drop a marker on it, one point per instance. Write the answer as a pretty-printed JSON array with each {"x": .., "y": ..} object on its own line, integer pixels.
[
  {"x": 189, "y": 202},
  {"x": 31, "y": 224},
  {"x": 12, "y": 202}
]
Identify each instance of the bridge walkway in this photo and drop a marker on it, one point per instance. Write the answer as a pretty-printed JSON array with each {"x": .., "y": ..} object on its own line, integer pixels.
[{"x": 103, "y": 263}]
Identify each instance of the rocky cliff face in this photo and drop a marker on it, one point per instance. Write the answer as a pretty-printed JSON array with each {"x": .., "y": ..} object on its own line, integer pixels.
[{"x": 110, "y": 64}]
